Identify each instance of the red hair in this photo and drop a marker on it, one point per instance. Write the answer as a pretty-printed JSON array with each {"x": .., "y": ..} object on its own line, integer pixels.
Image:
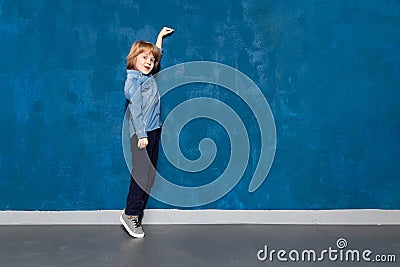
[{"x": 140, "y": 47}]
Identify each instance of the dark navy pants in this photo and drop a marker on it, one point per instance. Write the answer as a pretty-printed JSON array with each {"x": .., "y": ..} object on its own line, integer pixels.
[{"x": 144, "y": 162}]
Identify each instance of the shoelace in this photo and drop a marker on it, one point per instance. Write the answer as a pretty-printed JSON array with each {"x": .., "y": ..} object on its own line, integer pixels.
[{"x": 136, "y": 222}]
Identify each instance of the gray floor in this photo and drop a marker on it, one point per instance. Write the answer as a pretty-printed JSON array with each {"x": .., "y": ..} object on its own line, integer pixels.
[{"x": 194, "y": 245}]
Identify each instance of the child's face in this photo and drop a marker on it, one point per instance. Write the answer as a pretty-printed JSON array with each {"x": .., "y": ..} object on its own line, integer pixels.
[{"x": 145, "y": 62}]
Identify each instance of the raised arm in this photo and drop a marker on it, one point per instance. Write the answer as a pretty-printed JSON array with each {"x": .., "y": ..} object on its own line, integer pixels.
[{"x": 165, "y": 31}]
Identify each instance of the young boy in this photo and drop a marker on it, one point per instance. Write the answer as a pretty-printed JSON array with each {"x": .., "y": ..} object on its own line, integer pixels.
[{"x": 144, "y": 127}]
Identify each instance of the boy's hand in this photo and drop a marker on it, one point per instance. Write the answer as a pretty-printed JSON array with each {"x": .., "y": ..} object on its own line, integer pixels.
[
  {"x": 142, "y": 143},
  {"x": 165, "y": 31}
]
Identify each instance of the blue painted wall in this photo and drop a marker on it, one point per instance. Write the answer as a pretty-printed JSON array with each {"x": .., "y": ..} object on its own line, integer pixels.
[{"x": 330, "y": 71}]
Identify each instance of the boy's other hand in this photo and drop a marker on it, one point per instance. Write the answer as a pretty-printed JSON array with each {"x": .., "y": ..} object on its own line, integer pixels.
[{"x": 142, "y": 143}]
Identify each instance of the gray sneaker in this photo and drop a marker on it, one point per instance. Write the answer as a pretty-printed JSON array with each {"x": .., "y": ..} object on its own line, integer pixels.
[{"x": 132, "y": 225}]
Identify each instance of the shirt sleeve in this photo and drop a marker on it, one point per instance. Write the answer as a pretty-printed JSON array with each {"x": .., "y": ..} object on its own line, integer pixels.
[
  {"x": 161, "y": 51},
  {"x": 133, "y": 93},
  {"x": 129, "y": 89}
]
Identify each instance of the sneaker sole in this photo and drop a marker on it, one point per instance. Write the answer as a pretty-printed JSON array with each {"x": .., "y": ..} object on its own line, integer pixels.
[{"x": 129, "y": 230}]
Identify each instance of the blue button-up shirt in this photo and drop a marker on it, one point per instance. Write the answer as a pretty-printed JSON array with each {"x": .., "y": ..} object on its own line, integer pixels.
[{"x": 144, "y": 103}]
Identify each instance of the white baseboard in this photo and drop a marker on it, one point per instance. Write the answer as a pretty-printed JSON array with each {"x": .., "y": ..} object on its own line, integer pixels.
[{"x": 174, "y": 216}]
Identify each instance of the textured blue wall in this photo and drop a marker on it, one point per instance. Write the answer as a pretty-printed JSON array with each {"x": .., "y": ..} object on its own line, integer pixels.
[{"x": 329, "y": 69}]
